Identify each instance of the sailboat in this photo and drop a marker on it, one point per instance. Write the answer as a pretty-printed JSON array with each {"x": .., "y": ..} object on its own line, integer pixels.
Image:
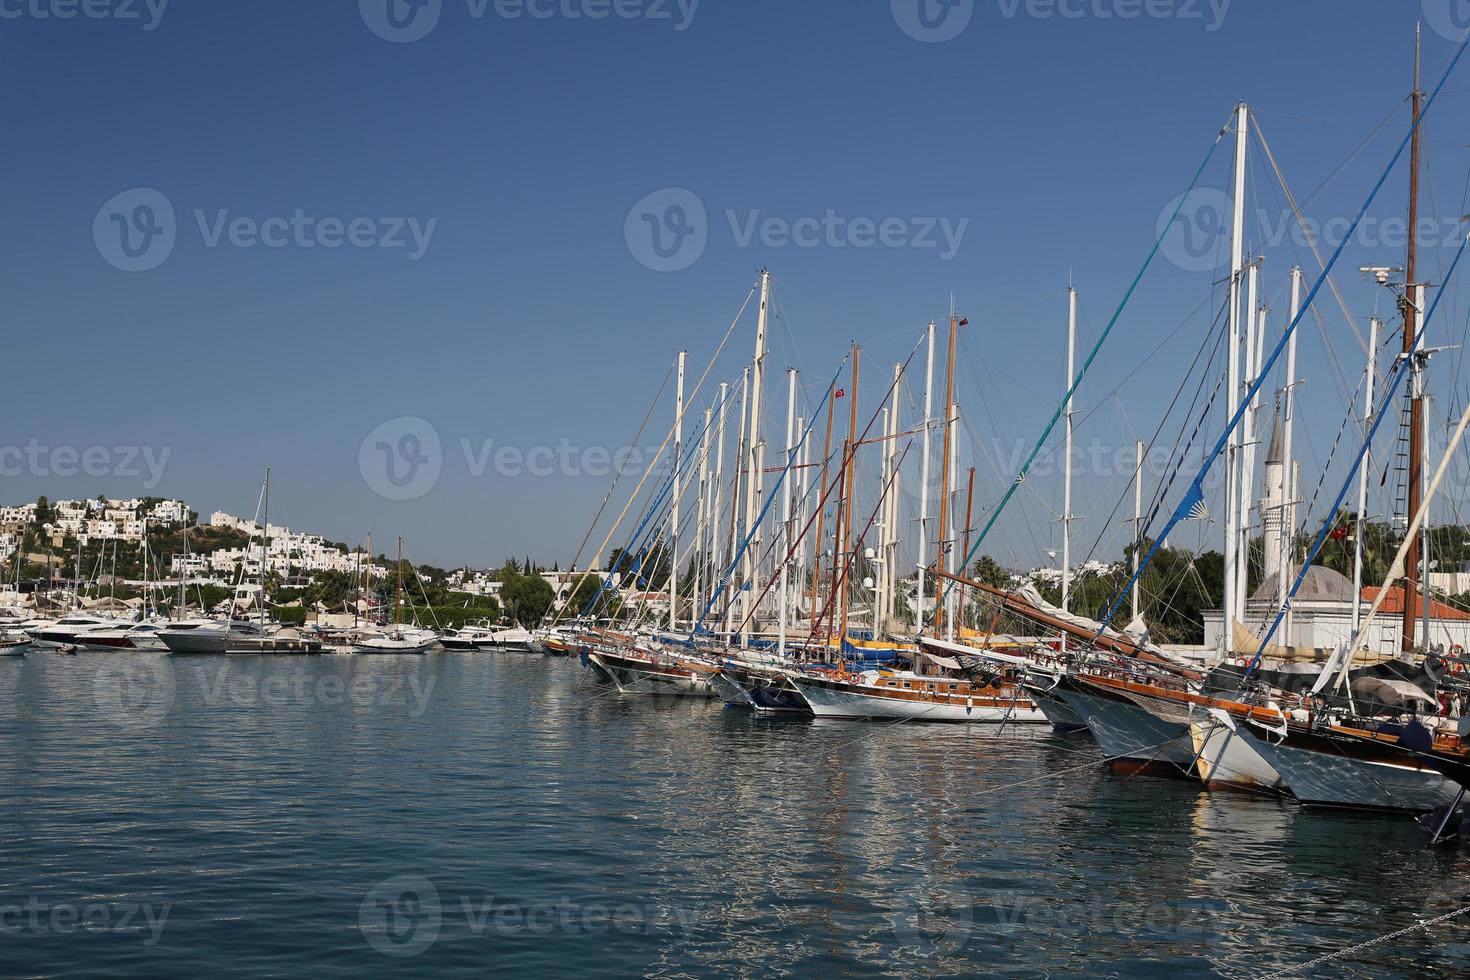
[{"x": 400, "y": 639}]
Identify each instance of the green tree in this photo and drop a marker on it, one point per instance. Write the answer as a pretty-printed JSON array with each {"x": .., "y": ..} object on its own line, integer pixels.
[{"x": 527, "y": 599}]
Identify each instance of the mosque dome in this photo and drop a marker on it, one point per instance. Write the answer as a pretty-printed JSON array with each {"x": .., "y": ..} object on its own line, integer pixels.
[{"x": 1320, "y": 583}]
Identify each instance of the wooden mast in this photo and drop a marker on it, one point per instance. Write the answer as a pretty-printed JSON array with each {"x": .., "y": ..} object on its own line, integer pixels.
[{"x": 1412, "y": 304}]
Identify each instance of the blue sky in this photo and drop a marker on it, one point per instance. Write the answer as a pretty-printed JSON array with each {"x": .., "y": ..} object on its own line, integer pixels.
[{"x": 1047, "y": 144}]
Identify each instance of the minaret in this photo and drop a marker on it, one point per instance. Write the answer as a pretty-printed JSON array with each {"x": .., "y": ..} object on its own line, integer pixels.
[{"x": 1273, "y": 505}]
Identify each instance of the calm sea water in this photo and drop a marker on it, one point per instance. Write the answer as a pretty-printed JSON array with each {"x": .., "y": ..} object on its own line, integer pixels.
[{"x": 461, "y": 814}]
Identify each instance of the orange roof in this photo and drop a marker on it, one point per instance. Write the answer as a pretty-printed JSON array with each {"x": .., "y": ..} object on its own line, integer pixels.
[{"x": 1394, "y": 603}]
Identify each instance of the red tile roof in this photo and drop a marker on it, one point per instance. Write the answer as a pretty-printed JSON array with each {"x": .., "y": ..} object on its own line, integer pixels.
[{"x": 1394, "y": 603}]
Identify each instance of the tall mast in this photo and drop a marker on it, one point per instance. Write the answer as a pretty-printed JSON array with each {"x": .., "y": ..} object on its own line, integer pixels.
[
  {"x": 753, "y": 486},
  {"x": 944, "y": 475},
  {"x": 1067, "y": 457},
  {"x": 736, "y": 528},
  {"x": 822, "y": 508},
  {"x": 678, "y": 492},
  {"x": 1288, "y": 470},
  {"x": 398, "y": 602},
  {"x": 884, "y": 468},
  {"x": 891, "y": 517},
  {"x": 969, "y": 522},
  {"x": 785, "y": 544},
  {"x": 1137, "y": 521},
  {"x": 357, "y": 585},
  {"x": 923, "y": 545},
  {"x": 1247, "y": 465},
  {"x": 265, "y": 536},
  {"x": 716, "y": 547},
  {"x": 1232, "y": 385},
  {"x": 1413, "y": 307},
  {"x": 954, "y": 498},
  {"x": 1361, "y": 538},
  {"x": 701, "y": 523},
  {"x": 849, "y": 493}
]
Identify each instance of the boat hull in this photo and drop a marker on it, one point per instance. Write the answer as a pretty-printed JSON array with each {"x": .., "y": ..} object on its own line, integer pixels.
[
  {"x": 1132, "y": 738},
  {"x": 1226, "y": 759},
  {"x": 1320, "y": 772},
  {"x": 635, "y": 675},
  {"x": 855, "y": 701}
]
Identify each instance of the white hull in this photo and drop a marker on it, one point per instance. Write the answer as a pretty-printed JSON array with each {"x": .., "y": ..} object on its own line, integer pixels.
[
  {"x": 1226, "y": 759},
  {"x": 1319, "y": 778},
  {"x": 848, "y": 703},
  {"x": 1130, "y": 734},
  {"x": 638, "y": 677}
]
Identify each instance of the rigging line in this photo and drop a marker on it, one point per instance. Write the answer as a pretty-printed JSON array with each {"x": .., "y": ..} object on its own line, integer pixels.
[
  {"x": 1091, "y": 356},
  {"x": 658, "y": 395},
  {"x": 638, "y": 489},
  {"x": 1196, "y": 493},
  {"x": 1401, "y": 370},
  {"x": 1301, "y": 218}
]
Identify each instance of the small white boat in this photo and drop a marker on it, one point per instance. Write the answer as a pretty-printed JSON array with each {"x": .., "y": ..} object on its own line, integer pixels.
[
  {"x": 404, "y": 640},
  {"x": 469, "y": 638},
  {"x": 12, "y": 645},
  {"x": 206, "y": 635}
]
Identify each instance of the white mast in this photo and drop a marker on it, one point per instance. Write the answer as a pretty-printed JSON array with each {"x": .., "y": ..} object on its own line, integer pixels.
[
  {"x": 1361, "y": 537},
  {"x": 1232, "y": 384},
  {"x": 717, "y": 540},
  {"x": 885, "y": 460},
  {"x": 754, "y": 488},
  {"x": 265, "y": 535},
  {"x": 1137, "y": 519},
  {"x": 923, "y": 547},
  {"x": 1247, "y": 464},
  {"x": 678, "y": 492},
  {"x": 737, "y": 526},
  {"x": 1288, "y": 411},
  {"x": 785, "y": 536},
  {"x": 803, "y": 455},
  {"x": 890, "y": 519},
  {"x": 1067, "y": 457},
  {"x": 701, "y": 525}
]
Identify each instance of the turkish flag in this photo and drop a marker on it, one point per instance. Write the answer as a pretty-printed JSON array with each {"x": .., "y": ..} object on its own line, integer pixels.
[{"x": 1340, "y": 534}]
